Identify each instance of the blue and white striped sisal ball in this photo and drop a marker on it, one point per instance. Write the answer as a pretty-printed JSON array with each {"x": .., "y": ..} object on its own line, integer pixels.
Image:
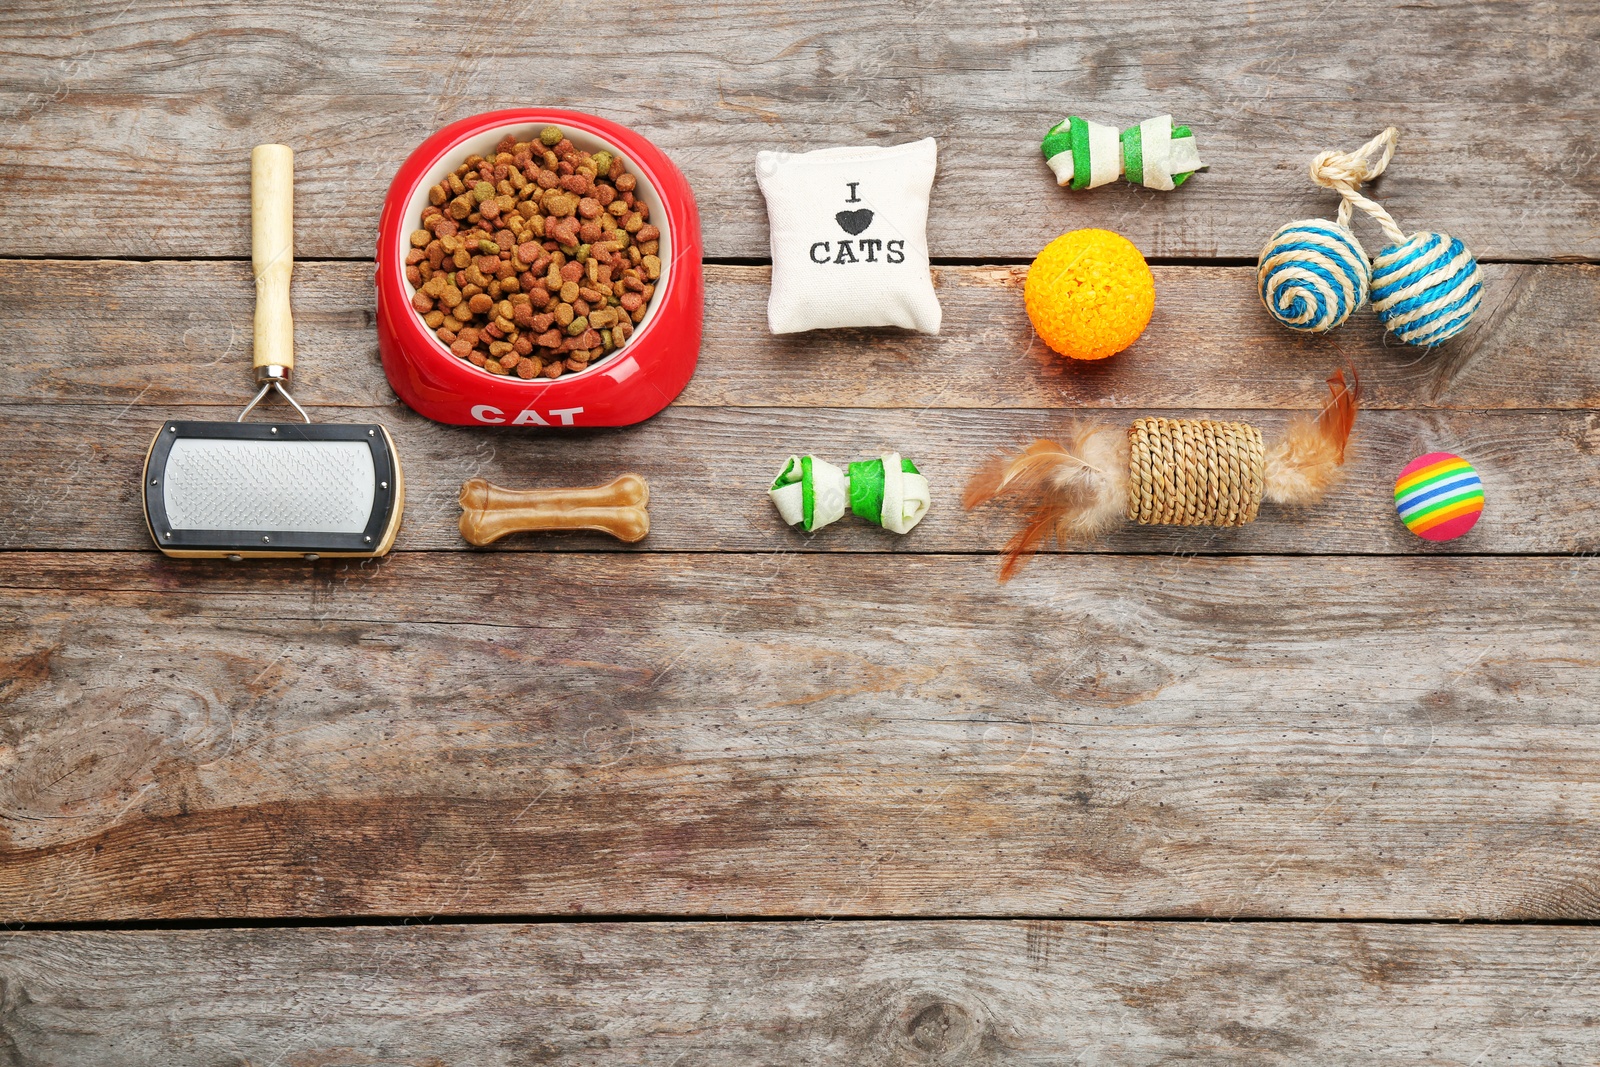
[
  {"x": 1312, "y": 275},
  {"x": 1426, "y": 288}
]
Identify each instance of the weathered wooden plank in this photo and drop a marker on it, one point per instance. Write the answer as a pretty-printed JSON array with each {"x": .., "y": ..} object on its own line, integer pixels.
[
  {"x": 72, "y": 473},
  {"x": 798, "y": 735},
  {"x": 161, "y": 102},
  {"x": 870, "y": 993},
  {"x": 169, "y": 333}
]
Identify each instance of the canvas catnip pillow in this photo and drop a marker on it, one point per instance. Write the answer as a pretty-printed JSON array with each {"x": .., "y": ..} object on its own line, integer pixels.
[{"x": 849, "y": 237}]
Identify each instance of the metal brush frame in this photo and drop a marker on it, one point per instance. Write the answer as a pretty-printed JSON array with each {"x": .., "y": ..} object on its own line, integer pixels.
[{"x": 271, "y": 541}]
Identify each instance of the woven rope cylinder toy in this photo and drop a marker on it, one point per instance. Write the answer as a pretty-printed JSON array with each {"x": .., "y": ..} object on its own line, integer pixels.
[
  {"x": 1194, "y": 472},
  {"x": 1172, "y": 472}
]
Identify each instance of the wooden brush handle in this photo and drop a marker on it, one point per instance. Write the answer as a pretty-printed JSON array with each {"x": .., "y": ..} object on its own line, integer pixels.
[
  {"x": 618, "y": 508},
  {"x": 272, "y": 252}
]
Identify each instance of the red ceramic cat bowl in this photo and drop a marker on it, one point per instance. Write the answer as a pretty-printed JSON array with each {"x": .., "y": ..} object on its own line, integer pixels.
[{"x": 629, "y": 385}]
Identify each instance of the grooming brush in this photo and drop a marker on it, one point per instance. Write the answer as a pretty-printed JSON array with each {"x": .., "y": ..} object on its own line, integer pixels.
[{"x": 238, "y": 489}]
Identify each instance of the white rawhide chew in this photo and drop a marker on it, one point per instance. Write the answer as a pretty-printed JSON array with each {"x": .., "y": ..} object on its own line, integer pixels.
[
  {"x": 889, "y": 491},
  {"x": 1084, "y": 154}
]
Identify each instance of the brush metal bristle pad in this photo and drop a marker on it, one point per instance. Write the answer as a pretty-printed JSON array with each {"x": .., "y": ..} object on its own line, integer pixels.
[
  {"x": 253, "y": 487},
  {"x": 300, "y": 486}
]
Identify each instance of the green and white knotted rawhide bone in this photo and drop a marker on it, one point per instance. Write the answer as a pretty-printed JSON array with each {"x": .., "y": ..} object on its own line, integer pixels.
[
  {"x": 889, "y": 491},
  {"x": 1155, "y": 154}
]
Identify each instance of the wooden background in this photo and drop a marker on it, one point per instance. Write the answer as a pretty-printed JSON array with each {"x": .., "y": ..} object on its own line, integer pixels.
[{"x": 739, "y": 795}]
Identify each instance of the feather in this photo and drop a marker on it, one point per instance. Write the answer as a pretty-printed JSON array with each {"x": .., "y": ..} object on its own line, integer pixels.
[
  {"x": 1306, "y": 463},
  {"x": 1072, "y": 491}
]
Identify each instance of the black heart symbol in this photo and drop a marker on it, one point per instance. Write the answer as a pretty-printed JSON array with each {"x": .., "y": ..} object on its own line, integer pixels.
[{"x": 853, "y": 222}]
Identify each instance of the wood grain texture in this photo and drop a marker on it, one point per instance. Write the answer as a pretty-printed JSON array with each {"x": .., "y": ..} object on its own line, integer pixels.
[
  {"x": 709, "y": 470},
  {"x": 157, "y": 335},
  {"x": 875, "y": 994},
  {"x": 162, "y": 101},
  {"x": 798, "y": 735}
]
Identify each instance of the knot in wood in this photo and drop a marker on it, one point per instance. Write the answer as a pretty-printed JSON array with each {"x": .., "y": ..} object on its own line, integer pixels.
[
  {"x": 1194, "y": 472},
  {"x": 938, "y": 1030},
  {"x": 934, "y": 1027}
]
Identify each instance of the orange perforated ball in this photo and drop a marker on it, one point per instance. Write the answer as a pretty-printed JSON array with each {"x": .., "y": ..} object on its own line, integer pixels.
[{"x": 1090, "y": 294}]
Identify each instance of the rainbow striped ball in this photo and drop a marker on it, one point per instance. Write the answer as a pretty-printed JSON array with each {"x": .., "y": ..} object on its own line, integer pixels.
[
  {"x": 1438, "y": 496},
  {"x": 1312, "y": 275},
  {"x": 1426, "y": 289}
]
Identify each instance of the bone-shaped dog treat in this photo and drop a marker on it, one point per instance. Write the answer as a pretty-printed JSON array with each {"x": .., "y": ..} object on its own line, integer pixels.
[
  {"x": 619, "y": 508},
  {"x": 1155, "y": 154}
]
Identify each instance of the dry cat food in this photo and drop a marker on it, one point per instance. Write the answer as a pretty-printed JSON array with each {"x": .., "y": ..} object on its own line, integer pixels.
[{"x": 538, "y": 260}]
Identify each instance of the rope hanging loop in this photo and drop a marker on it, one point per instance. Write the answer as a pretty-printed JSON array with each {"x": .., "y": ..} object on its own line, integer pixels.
[{"x": 1344, "y": 172}]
